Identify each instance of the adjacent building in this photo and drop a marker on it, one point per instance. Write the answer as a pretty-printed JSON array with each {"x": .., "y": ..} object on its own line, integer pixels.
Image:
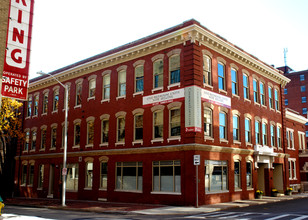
[{"x": 151, "y": 120}]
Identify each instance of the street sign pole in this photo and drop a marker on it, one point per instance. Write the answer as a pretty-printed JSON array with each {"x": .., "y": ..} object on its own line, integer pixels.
[{"x": 197, "y": 163}]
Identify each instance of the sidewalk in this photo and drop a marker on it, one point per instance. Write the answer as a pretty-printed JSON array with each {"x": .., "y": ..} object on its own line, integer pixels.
[{"x": 145, "y": 209}]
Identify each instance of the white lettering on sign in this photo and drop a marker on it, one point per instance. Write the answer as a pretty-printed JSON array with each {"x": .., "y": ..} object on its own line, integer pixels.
[
  {"x": 196, "y": 159},
  {"x": 18, "y": 33},
  {"x": 215, "y": 98}
]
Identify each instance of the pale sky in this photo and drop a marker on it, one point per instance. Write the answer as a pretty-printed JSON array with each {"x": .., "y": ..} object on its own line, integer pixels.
[{"x": 67, "y": 31}]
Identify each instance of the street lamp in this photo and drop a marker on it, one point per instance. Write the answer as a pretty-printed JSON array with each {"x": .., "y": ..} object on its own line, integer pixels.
[{"x": 64, "y": 170}]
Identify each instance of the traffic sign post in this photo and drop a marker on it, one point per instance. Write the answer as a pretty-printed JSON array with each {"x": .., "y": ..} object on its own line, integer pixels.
[{"x": 197, "y": 163}]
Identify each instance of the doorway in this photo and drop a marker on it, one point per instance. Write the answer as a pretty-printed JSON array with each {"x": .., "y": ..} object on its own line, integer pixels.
[
  {"x": 51, "y": 180},
  {"x": 278, "y": 177}
]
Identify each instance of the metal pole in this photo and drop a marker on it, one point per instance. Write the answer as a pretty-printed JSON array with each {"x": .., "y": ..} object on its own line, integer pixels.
[
  {"x": 65, "y": 147},
  {"x": 197, "y": 205}
]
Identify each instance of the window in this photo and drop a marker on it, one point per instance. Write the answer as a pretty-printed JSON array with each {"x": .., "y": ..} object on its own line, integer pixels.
[
  {"x": 122, "y": 83},
  {"x": 236, "y": 128},
  {"x": 53, "y": 137},
  {"x": 303, "y": 88},
  {"x": 247, "y": 130},
  {"x": 221, "y": 76},
  {"x": 106, "y": 86},
  {"x": 257, "y": 132},
  {"x": 27, "y": 141},
  {"x": 264, "y": 133},
  {"x": 279, "y": 137},
  {"x": 139, "y": 78},
  {"x": 138, "y": 127},
  {"x": 78, "y": 93},
  {"x": 255, "y": 91},
  {"x": 92, "y": 86},
  {"x": 273, "y": 138},
  {"x": 103, "y": 175},
  {"x": 249, "y": 174},
  {"x": 301, "y": 140},
  {"x": 216, "y": 175},
  {"x": 304, "y": 99},
  {"x": 41, "y": 176},
  {"x": 31, "y": 174},
  {"x": 33, "y": 142},
  {"x": 43, "y": 138},
  {"x": 277, "y": 103},
  {"x": 270, "y": 97},
  {"x": 175, "y": 122},
  {"x": 246, "y": 86},
  {"x": 285, "y": 91},
  {"x": 304, "y": 111},
  {"x": 105, "y": 131},
  {"x": 207, "y": 70},
  {"x": 286, "y": 102},
  {"x": 262, "y": 94},
  {"x": 129, "y": 176},
  {"x": 306, "y": 133},
  {"x": 167, "y": 176},
  {"x": 290, "y": 139},
  {"x": 222, "y": 125},
  {"x": 208, "y": 118},
  {"x": 36, "y": 101},
  {"x": 174, "y": 68},
  {"x": 292, "y": 168},
  {"x": 77, "y": 134},
  {"x": 158, "y": 124},
  {"x": 121, "y": 129},
  {"x": 72, "y": 177},
  {"x": 158, "y": 73},
  {"x": 302, "y": 77},
  {"x": 45, "y": 102},
  {"x": 24, "y": 175},
  {"x": 55, "y": 100},
  {"x": 234, "y": 81},
  {"x": 90, "y": 132},
  {"x": 237, "y": 174},
  {"x": 29, "y": 107},
  {"x": 89, "y": 175}
]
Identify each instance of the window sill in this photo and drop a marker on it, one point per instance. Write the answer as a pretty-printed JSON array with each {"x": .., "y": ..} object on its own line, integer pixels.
[
  {"x": 54, "y": 112},
  {"x": 257, "y": 104},
  {"x": 63, "y": 110},
  {"x": 52, "y": 149},
  {"x": 138, "y": 142},
  {"x": 223, "y": 141},
  {"x": 248, "y": 144},
  {"x": 119, "y": 144},
  {"x": 157, "y": 89},
  {"x": 43, "y": 114},
  {"x": 33, "y": 150},
  {"x": 279, "y": 112},
  {"x": 223, "y": 91},
  {"x": 174, "y": 85},
  {"x": 247, "y": 100},
  {"x": 238, "y": 190},
  {"x": 166, "y": 193},
  {"x": 235, "y": 96},
  {"x": 138, "y": 93},
  {"x": 263, "y": 106},
  {"x": 104, "y": 145},
  {"x": 121, "y": 97},
  {"x": 91, "y": 98},
  {"x": 30, "y": 185},
  {"x": 41, "y": 150},
  {"x": 25, "y": 151},
  {"x": 76, "y": 147},
  {"x": 178, "y": 138},
  {"x": 77, "y": 106},
  {"x": 105, "y": 100},
  {"x": 237, "y": 142},
  {"x": 132, "y": 191},
  {"x": 87, "y": 188},
  {"x": 157, "y": 140},
  {"x": 40, "y": 188},
  {"x": 34, "y": 116},
  {"x": 291, "y": 149},
  {"x": 102, "y": 189},
  {"x": 102, "y": 199},
  {"x": 271, "y": 109},
  {"x": 216, "y": 192},
  {"x": 206, "y": 138},
  {"x": 207, "y": 86},
  {"x": 89, "y": 146},
  {"x": 28, "y": 117},
  {"x": 250, "y": 188}
]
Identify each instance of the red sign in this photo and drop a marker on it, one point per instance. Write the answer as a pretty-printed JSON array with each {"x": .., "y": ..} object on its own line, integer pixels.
[{"x": 15, "y": 78}]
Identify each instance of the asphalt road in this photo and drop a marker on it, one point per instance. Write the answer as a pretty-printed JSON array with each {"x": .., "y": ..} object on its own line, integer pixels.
[{"x": 292, "y": 209}]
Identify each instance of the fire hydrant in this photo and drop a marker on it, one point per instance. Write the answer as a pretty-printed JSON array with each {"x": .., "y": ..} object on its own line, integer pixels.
[{"x": 1, "y": 205}]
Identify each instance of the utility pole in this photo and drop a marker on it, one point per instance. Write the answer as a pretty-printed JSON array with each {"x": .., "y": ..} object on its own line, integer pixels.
[{"x": 285, "y": 51}]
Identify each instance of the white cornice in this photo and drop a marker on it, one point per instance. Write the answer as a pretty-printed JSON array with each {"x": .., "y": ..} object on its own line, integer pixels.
[
  {"x": 194, "y": 33},
  {"x": 296, "y": 117}
]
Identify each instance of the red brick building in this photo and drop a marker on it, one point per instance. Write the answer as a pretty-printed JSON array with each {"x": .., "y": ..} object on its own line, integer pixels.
[{"x": 140, "y": 112}]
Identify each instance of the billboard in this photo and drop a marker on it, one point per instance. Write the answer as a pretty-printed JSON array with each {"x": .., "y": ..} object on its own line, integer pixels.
[{"x": 15, "y": 77}]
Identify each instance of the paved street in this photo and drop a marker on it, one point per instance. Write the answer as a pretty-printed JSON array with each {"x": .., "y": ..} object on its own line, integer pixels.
[{"x": 285, "y": 210}]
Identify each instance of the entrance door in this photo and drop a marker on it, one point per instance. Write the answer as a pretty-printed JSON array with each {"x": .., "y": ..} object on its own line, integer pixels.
[
  {"x": 278, "y": 177},
  {"x": 261, "y": 183},
  {"x": 51, "y": 180}
]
